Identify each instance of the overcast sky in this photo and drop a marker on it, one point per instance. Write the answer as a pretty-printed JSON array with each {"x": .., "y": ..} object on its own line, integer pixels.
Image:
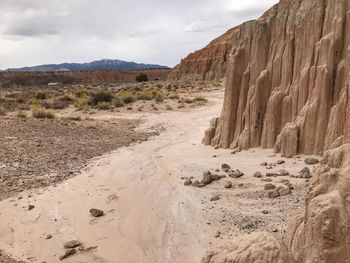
[{"x": 36, "y": 32}]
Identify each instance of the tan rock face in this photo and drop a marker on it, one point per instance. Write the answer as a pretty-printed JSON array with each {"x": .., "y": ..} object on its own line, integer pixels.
[
  {"x": 288, "y": 80},
  {"x": 256, "y": 247},
  {"x": 322, "y": 232}
]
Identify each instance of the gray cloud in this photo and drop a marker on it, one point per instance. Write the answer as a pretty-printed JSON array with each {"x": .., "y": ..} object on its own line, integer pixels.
[{"x": 152, "y": 31}]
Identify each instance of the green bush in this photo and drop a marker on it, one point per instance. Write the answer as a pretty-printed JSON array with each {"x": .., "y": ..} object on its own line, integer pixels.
[
  {"x": 142, "y": 78},
  {"x": 101, "y": 96}
]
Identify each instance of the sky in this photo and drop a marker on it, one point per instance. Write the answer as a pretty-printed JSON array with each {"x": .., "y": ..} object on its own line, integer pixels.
[{"x": 35, "y": 32}]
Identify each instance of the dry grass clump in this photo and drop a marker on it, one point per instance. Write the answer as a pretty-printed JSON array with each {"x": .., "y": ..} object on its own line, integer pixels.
[
  {"x": 2, "y": 111},
  {"x": 21, "y": 114},
  {"x": 40, "y": 113}
]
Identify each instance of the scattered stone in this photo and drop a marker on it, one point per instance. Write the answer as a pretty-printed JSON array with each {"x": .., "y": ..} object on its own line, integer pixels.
[
  {"x": 263, "y": 164},
  {"x": 187, "y": 182},
  {"x": 280, "y": 162},
  {"x": 196, "y": 183},
  {"x": 216, "y": 177},
  {"x": 48, "y": 236},
  {"x": 216, "y": 147},
  {"x": 217, "y": 170},
  {"x": 236, "y": 174},
  {"x": 265, "y": 212},
  {"x": 311, "y": 161},
  {"x": 257, "y": 174},
  {"x": 206, "y": 173},
  {"x": 225, "y": 167},
  {"x": 269, "y": 167},
  {"x": 273, "y": 194},
  {"x": 68, "y": 253},
  {"x": 31, "y": 207},
  {"x": 215, "y": 198},
  {"x": 269, "y": 186},
  {"x": 228, "y": 184},
  {"x": 96, "y": 212},
  {"x": 207, "y": 179},
  {"x": 283, "y": 172},
  {"x": 305, "y": 173},
  {"x": 283, "y": 190},
  {"x": 266, "y": 180},
  {"x": 72, "y": 244},
  {"x": 272, "y": 175},
  {"x": 214, "y": 156},
  {"x": 217, "y": 234}
]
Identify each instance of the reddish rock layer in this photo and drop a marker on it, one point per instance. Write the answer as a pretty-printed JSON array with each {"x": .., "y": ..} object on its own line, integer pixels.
[
  {"x": 209, "y": 63},
  {"x": 288, "y": 83}
]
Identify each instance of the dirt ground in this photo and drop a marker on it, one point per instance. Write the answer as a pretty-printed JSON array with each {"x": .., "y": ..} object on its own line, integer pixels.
[
  {"x": 150, "y": 215},
  {"x": 38, "y": 153}
]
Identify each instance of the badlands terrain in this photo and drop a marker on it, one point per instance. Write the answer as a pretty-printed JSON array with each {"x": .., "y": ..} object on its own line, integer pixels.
[{"x": 240, "y": 154}]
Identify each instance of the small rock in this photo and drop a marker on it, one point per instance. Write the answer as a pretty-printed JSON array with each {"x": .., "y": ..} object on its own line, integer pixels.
[
  {"x": 266, "y": 180},
  {"x": 236, "y": 174},
  {"x": 68, "y": 253},
  {"x": 31, "y": 207},
  {"x": 217, "y": 234},
  {"x": 206, "y": 173},
  {"x": 265, "y": 212},
  {"x": 228, "y": 184},
  {"x": 272, "y": 175},
  {"x": 225, "y": 167},
  {"x": 263, "y": 164},
  {"x": 216, "y": 147},
  {"x": 311, "y": 161},
  {"x": 96, "y": 212},
  {"x": 215, "y": 198},
  {"x": 283, "y": 191},
  {"x": 216, "y": 177},
  {"x": 269, "y": 167},
  {"x": 257, "y": 174},
  {"x": 72, "y": 244},
  {"x": 196, "y": 183},
  {"x": 280, "y": 162},
  {"x": 207, "y": 179},
  {"x": 273, "y": 194},
  {"x": 187, "y": 182},
  {"x": 269, "y": 186},
  {"x": 48, "y": 236}
]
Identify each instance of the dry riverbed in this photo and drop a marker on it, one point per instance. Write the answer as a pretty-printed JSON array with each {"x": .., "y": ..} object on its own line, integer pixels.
[{"x": 149, "y": 214}]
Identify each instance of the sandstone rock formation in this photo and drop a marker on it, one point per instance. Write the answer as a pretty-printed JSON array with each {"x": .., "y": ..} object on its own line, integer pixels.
[
  {"x": 209, "y": 63},
  {"x": 322, "y": 232},
  {"x": 257, "y": 247},
  {"x": 288, "y": 80}
]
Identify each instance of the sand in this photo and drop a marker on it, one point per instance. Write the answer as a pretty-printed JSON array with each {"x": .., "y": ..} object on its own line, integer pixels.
[{"x": 150, "y": 216}]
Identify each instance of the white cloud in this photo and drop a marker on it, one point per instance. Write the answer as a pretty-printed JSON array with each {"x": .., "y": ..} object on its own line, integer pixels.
[{"x": 153, "y": 31}]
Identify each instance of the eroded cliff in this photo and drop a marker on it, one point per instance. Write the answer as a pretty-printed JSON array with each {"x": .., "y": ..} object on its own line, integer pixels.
[{"x": 288, "y": 81}]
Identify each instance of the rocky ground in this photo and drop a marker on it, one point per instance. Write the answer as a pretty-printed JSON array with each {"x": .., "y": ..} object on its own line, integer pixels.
[{"x": 38, "y": 153}]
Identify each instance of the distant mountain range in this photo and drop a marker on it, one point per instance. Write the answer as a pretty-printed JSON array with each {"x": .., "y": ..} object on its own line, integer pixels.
[{"x": 104, "y": 64}]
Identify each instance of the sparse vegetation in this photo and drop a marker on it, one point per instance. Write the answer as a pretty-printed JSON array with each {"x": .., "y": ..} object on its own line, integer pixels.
[
  {"x": 2, "y": 111},
  {"x": 40, "y": 113},
  {"x": 142, "y": 78}
]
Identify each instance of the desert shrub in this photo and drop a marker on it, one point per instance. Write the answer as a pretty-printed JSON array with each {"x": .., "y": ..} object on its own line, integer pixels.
[
  {"x": 82, "y": 103},
  {"x": 104, "y": 105},
  {"x": 129, "y": 99},
  {"x": 57, "y": 105},
  {"x": 74, "y": 118},
  {"x": 142, "y": 78},
  {"x": 40, "y": 113},
  {"x": 118, "y": 102},
  {"x": 42, "y": 95},
  {"x": 2, "y": 111},
  {"x": 21, "y": 114},
  {"x": 159, "y": 97},
  {"x": 145, "y": 95},
  {"x": 81, "y": 92},
  {"x": 66, "y": 98},
  {"x": 101, "y": 96}
]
